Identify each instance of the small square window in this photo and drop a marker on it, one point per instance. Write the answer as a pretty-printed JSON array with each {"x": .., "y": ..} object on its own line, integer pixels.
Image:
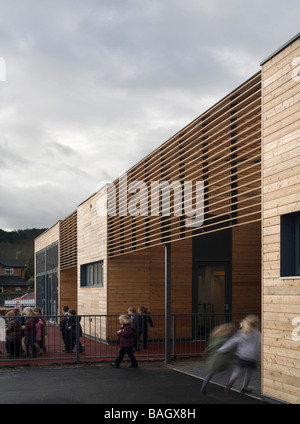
[
  {"x": 290, "y": 245},
  {"x": 91, "y": 275}
]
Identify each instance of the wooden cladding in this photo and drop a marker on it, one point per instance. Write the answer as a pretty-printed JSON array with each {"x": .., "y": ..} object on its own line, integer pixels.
[
  {"x": 281, "y": 199},
  {"x": 220, "y": 151},
  {"x": 68, "y": 241}
]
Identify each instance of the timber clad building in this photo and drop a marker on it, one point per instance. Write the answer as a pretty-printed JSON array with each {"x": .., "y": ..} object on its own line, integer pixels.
[{"x": 241, "y": 255}]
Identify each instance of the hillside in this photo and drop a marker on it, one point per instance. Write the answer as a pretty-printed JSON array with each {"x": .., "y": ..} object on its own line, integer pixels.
[{"x": 18, "y": 244}]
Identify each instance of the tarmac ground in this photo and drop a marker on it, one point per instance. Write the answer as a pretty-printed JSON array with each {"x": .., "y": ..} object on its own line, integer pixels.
[
  {"x": 197, "y": 368},
  {"x": 152, "y": 383}
]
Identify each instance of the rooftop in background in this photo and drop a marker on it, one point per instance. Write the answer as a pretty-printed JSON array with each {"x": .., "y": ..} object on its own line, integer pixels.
[
  {"x": 12, "y": 281},
  {"x": 12, "y": 263}
]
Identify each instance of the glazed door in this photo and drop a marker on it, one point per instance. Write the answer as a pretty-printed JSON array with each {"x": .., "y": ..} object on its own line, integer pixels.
[
  {"x": 212, "y": 296},
  {"x": 51, "y": 295}
]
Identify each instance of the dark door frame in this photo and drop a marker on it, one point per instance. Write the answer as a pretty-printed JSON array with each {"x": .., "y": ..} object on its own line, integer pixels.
[{"x": 228, "y": 287}]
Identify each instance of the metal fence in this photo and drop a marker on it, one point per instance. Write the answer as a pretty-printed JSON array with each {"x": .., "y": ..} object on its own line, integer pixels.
[{"x": 94, "y": 337}]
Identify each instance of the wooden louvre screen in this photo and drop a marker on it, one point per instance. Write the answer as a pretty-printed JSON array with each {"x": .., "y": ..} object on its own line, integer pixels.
[
  {"x": 68, "y": 241},
  {"x": 221, "y": 149}
]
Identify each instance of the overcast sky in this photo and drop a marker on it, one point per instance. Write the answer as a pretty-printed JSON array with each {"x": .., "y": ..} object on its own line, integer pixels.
[{"x": 90, "y": 87}]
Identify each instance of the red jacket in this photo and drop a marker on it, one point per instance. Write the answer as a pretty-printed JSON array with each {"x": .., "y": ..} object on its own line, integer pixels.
[
  {"x": 30, "y": 327},
  {"x": 126, "y": 336}
]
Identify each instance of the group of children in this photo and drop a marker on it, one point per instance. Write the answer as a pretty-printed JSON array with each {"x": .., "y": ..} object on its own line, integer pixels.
[
  {"x": 224, "y": 349},
  {"x": 25, "y": 334},
  {"x": 31, "y": 327},
  {"x": 133, "y": 325}
]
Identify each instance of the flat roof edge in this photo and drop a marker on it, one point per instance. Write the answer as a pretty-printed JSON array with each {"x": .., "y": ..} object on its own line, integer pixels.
[
  {"x": 281, "y": 48},
  {"x": 48, "y": 229}
]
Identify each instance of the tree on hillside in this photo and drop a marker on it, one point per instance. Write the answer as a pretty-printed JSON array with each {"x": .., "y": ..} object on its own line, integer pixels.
[{"x": 29, "y": 271}]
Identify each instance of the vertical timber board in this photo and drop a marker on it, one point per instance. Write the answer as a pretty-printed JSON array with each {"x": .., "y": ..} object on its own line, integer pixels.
[
  {"x": 246, "y": 268},
  {"x": 68, "y": 261},
  {"x": 68, "y": 288},
  {"x": 138, "y": 278}
]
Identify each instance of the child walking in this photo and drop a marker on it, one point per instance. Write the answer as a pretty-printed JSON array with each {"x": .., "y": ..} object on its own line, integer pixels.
[
  {"x": 126, "y": 336},
  {"x": 218, "y": 362},
  {"x": 247, "y": 342}
]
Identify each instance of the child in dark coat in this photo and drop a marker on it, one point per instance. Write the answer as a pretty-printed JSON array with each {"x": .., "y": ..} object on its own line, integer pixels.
[
  {"x": 144, "y": 319},
  {"x": 71, "y": 331},
  {"x": 30, "y": 331},
  {"x": 134, "y": 324},
  {"x": 126, "y": 336},
  {"x": 13, "y": 335}
]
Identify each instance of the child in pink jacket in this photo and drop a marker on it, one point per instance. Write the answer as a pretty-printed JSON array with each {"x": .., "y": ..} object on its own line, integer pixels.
[{"x": 127, "y": 337}]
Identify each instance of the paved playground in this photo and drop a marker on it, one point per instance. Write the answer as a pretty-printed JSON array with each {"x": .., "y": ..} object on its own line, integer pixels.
[{"x": 153, "y": 383}]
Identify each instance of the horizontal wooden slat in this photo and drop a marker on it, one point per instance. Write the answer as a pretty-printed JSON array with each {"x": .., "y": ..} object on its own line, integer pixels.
[
  {"x": 222, "y": 147},
  {"x": 68, "y": 241}
]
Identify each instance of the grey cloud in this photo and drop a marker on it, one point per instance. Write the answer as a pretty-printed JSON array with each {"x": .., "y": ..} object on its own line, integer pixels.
[
  {"x": 93, "y": 88},
  {"x": 54, "y": 148},
  {"x": 9, "y": 156}
]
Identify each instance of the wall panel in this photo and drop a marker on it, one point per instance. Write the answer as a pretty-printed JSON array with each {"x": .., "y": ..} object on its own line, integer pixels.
[
  {"x": 281, "y": 195},
  {"x": 91, "y": 248}
]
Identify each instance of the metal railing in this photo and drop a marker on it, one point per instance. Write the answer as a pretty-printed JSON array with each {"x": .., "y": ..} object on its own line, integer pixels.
[{"x": 94, "y": 337}]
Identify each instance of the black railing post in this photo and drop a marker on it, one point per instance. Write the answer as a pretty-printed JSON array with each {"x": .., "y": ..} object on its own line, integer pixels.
[
  {"x": 77, "y": 339},
  {"x": 174, "y": 336},
  {"x": 168, "y": 303}
]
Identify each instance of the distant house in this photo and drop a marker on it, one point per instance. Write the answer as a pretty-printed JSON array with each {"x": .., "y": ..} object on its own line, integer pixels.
[{"x": 12, "y": 276}]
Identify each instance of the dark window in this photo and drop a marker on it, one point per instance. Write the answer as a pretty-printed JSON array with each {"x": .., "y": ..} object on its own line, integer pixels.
[
  {"x": 47, "y": 259},
  {"x": 91, "y": 275},
  {"x": 297, "y": 245},
  {"x": 290, "y": 245}
]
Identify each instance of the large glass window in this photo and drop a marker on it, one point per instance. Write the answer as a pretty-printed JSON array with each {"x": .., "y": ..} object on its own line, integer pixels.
[
  {"x": 46, "y": 279},
  {"x": 40, "y": 262},
  {"x": 91, "y": 274},
  {"x": 47, "y": 259}
]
